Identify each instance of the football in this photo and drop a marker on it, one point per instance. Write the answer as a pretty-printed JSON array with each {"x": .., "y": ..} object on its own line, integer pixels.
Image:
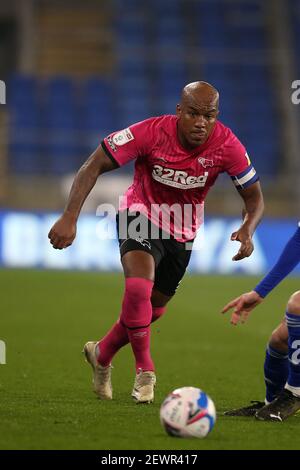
[{"x": 188, "y": 412}]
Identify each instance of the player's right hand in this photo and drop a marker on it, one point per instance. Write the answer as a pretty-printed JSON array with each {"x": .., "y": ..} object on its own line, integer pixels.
[
  {"x": 63, "y": 232},
  {"x": 242, "y": 306}
]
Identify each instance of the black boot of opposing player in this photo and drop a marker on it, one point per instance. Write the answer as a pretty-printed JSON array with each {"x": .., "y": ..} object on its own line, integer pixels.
[
  {"x": 246, "y": 410},
  {"x": 285, "y": 405}
]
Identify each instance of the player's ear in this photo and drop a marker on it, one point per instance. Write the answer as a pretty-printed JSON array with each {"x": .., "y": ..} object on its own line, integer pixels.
[{"x": 178, "y": 110}]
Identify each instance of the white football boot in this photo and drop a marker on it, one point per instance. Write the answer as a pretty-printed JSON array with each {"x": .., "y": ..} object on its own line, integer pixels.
[
  {"x": 143, "y": 388},
  {"x": 102, "y": 375}
]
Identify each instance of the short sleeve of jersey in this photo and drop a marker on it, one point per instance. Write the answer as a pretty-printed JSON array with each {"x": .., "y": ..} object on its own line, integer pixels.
[
  {"x": 130, "y": 143},
  {"x": 237, "y": 163}
]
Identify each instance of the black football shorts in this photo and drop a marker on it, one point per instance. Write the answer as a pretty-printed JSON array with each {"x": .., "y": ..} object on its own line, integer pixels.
[{"x": 171, "y": 257}]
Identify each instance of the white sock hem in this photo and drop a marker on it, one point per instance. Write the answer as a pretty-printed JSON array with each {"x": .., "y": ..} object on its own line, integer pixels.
[{"x": 295, "y": 390}]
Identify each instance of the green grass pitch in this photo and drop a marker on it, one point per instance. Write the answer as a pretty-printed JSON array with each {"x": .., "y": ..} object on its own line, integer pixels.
[{"x": 45, "y": 388}]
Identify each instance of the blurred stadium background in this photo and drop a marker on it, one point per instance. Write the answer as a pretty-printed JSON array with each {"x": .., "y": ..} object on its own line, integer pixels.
[{"x": 75, "y": 71}]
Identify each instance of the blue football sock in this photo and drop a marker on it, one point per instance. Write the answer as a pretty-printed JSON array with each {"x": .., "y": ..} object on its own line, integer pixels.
[
  {"x": 293, "y": 324},
  {"x": 276, "y": 370}
]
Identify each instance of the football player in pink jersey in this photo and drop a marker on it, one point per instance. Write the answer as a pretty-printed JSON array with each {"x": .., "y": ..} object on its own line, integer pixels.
[{"x": 177, "y": 159}]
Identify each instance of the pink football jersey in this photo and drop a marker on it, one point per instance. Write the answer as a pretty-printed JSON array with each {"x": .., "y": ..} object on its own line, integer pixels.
[{"x": 169, "y": 176}]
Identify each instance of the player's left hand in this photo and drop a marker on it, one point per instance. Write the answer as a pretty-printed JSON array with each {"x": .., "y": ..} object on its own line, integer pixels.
[
  {"x": 242, "y": 306},
  {"x": 243, "y": 235}
]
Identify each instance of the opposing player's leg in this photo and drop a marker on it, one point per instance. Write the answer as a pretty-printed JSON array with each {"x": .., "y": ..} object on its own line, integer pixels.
[
  {"x": 275, "y": 371},
  {"x": 288, "y": 401},
  {"x": 276, "y": 366}
]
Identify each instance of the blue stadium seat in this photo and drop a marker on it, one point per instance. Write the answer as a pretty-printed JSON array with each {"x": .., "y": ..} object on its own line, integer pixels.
[
  {"x": 172, "y": 69},
  {"x": 166, "y": 7},
  {"x": 61, "y": 104},
  {"x": 168, "y": 104},
  {"x": 95, "y": 120},
  {"x": 170, "y": 32},
  {"x": 129, "y": 67},
  {"x": 25, "y": 156},
  {"x": 25, "y": 116},
  {"x": 96, "y": 109},
  {"x": 248, "y": 38},
  {"x": 62, "y": 152},
  {"x": 131, "y": 30},
  {"x": 172, "y": 76},
  {"x": 294, "y": 17},
  {"x": 22, "y": 89},
  {"x": 60, "y": 88},
  {"x": 97, "y": 89},
  {"x": 129, "y": 6},
  {"x": 135, "y": 108},
  {"x": 23, "y": 100},
  {"x": 61, "y": 120},
  {"x": 130, "y": 88}
]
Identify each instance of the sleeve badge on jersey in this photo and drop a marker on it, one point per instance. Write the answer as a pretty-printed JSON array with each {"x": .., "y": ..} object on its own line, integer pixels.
[{"x": 123, "y": 137}]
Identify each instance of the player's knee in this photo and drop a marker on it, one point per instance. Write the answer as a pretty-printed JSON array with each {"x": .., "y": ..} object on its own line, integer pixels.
[
  {"x": 138, "y": 290},
  {"x": 279, "y": 341},
  {"x": 293, "y": 305},
  {"x": 136, "y": 308},
  {"x": 138, "y": 264}
]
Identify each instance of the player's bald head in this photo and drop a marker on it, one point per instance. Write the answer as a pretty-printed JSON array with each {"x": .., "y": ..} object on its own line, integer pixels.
[
  {"x": 200, "y": 93},
  {"x": 197, "y": 113}
]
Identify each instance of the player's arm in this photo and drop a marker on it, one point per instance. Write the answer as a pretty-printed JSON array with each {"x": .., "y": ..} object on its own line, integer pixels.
[
  {"x": 252, "y": 215},
  {"x": 238, "y": 166},
  {"x": 288, "y": 260},
  {"x": 63, "y": 231}
]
